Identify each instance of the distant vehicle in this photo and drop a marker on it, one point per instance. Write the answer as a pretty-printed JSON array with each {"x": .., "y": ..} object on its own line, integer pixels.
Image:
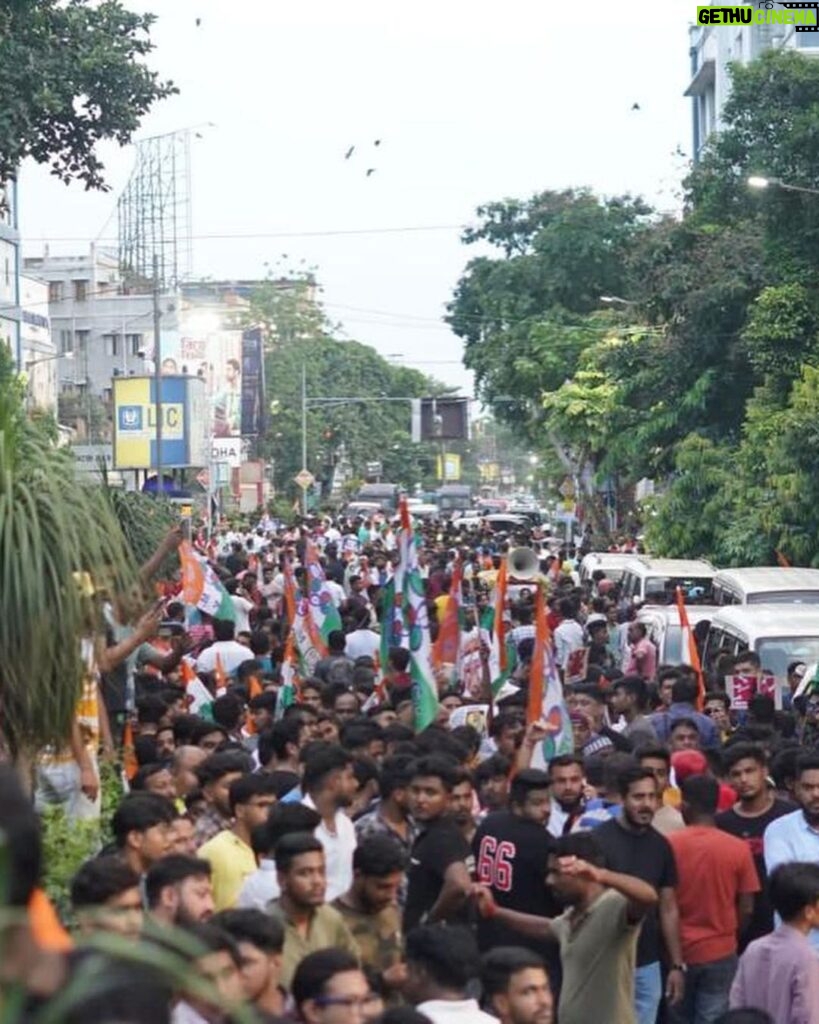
[
  {"x": 612, "y": 563},
  {"x": 362, "y": 508},
  {"x": 454, "y": 496},
  {"x": 529, "y": 511},
  {"x": 424, "y": 510},
  {"x": 778, "y": 633},
  {"x": 663, "y": 627},
  {"x": 384, "y": 495},
  {"x": 655, "y": 580},
  {"x": 766, "y": 585},
  {"x": 489, "y": 505},
  {"x": 503, "y": 522}
]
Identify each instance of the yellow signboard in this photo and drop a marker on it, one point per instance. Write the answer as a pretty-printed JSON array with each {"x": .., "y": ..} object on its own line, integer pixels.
[{"x": 135, "y": 422}]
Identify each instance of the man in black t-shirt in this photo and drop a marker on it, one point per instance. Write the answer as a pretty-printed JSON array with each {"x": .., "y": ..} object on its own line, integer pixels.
[
  {"x": 632, "y": 847},
  {"x": 757, "y": 806},
  {"x": 441, "y": 861},
  {"x": 511, "y": 853}
]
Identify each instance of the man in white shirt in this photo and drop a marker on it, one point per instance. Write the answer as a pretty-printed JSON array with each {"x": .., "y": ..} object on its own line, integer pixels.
[
  {"x": 242, "y": 606},
  {"x": 329, "y": 785},
  {"x": 230, "y": 653},
  {"x": 569, "y": 634},
  {"x": 442, "y": 961},
  {"x": 362, "y": 642}
]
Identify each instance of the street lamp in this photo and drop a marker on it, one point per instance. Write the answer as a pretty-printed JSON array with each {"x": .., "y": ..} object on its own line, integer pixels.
[
  {"x": 759, "y": 182},
  {"x": 48, "y": 359}
]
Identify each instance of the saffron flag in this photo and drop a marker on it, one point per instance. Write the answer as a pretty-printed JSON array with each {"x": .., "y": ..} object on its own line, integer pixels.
[
  {"x": 693, "y": 654},
  {"x": 446, "y": 651},
  {"x": 546, "y": 703},
  {"x": 201, "y": 587},
  {"x": 130, "y": 765}
]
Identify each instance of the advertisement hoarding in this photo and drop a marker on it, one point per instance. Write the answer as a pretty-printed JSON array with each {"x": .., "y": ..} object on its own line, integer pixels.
[{"x": 184, "y": 422}]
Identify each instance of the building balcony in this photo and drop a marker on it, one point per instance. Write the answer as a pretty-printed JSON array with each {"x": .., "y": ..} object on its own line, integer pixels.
[{"x": 703, "y": 80}]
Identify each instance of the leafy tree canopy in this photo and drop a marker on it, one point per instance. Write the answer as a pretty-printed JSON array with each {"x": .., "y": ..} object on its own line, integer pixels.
[{"x": 73, "y": 75}]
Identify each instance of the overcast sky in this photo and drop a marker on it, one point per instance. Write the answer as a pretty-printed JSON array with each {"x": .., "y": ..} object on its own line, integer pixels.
[{"x": 473, "y": 101}]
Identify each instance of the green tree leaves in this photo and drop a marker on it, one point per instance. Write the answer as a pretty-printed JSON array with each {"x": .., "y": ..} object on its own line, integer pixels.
[{"x": 73, "y": 75}]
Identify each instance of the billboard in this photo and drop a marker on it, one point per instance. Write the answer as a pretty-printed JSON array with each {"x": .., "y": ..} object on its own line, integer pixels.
[
  {"x": 252, "y": 385},
  {"x": 184, "y": 422}
]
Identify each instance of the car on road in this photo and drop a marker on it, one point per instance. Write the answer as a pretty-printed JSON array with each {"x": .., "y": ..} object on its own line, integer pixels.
[{"x": 655, "y": 580}]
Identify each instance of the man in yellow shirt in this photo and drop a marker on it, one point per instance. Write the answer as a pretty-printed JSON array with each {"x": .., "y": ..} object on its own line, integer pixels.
[{"x": 229, "y": 853}]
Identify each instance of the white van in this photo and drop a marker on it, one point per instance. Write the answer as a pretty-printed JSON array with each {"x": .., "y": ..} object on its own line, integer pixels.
[
  {"x": 612, "y": 563},
  {"x": 663, "y": 629},
  {"x": 655, "y": 580},
  {"x": 778, "y": 633},
  {"x": 766, "y": 585}
]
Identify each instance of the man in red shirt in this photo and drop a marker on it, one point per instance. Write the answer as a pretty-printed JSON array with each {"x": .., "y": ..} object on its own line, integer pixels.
[{"x": 715, "y": 894}]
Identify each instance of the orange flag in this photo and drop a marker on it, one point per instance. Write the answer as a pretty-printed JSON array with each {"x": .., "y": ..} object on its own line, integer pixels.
[
  {"x": 254, "y": 687},
  {"x": 221, "y": 676},
  {"x": 187, "y": 672},
  {"x": 534, "y": 707},
  {"x": 129, "y": 762},
  {"x": 499, "y": 628},
  {"x": 693, "y": 653},
  {"x": 446, "y": 649}
]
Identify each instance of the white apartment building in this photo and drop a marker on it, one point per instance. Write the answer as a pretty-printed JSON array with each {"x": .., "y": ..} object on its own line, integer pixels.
[
  {"x": 38, "y": 352},
  {"x": 713, "y": 48},
  {"x": 100, "y": 330}
]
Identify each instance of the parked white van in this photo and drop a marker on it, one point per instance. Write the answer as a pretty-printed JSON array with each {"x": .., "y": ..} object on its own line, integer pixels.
[
  {"x": 663, "y": 629},
  {"x": 655, "y": 580},
  {"x": 612, "y": 563},
  {"x": 766, "y": 585},
  {"x": 778, "y": 633}
]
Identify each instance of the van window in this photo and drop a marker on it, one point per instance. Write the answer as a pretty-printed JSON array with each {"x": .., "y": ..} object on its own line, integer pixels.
[
  {"x": 785, "y": 597},
  {"x": 673, "y": 650},
  {"x": 776, "y": 653},
  {"x": 630, "y": 585},
  {"x": 713, "y": 646}
]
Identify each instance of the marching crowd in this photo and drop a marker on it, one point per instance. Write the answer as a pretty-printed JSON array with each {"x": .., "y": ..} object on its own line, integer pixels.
[{"x": 320, "y": 858}]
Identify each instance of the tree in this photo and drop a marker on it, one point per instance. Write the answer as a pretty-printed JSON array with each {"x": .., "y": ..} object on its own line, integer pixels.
[
  {"x": 526, "y": 314},
  {"x": 52, "y": 530},
  {"x": 299, "y": 335},
  {"x": 73, "y": 75}
]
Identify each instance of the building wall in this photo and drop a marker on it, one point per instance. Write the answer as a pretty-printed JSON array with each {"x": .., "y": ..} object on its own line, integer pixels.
[
  {"x": 713, "y": 48},
  {"x": 38, "y": 349},
  {"x": 9, "y": 272},
  {"x": 106, "y": 331}
]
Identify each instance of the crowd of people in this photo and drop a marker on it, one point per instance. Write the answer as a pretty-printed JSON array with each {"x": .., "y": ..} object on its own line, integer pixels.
[{"x": 324, "y": 860}]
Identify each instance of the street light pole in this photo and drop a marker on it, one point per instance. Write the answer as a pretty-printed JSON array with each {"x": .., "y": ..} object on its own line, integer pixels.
[
  {"x": 157, "y": 381},
  {"x": 758, "y": 182}
]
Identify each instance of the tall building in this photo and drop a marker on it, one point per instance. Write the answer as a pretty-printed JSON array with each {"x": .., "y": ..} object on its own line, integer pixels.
[
  {"x": 38, "y": 352},
  {"x": 10, "y": 313},
  {"x": 713, "y": 48},
  {"x": 100, "y": 330}
]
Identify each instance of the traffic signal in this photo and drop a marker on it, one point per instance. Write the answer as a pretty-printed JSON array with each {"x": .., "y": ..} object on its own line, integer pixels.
[{"x": 440, "y": 419}]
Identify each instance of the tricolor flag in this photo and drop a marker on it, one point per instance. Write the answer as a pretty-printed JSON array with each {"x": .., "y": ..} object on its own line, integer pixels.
[
  {"x": 502, "y": 655},
  {"x": 201, "y": 587},
  {"x": 288, "y": 691},
  {"x": 410, "y": 585},
  {"x": 323, "y": 612},
  {"x": 546, "y": 703},
  {"x": 198, "y": 696}
]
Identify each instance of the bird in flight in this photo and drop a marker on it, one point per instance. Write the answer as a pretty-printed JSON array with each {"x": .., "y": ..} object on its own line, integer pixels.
[
  {"x": 349, "y": 153},
  {"x": 377, "y": 142},
  {"x": 635, "y": 106},
  {"x": 198, "y": 22},
  {"x": 370, "y": 170}
]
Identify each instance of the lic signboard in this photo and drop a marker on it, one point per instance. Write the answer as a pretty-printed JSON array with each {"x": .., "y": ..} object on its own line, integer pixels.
[{"x": 183, "y": 422}]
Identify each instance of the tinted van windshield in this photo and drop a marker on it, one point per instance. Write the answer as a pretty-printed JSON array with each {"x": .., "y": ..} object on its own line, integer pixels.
[
  {"x": 786, "y": 597},
  {"x": 663, "y": 589}
]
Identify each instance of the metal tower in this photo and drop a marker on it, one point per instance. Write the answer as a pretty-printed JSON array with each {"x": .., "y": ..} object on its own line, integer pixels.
[{"x": 154, "y": 213}]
